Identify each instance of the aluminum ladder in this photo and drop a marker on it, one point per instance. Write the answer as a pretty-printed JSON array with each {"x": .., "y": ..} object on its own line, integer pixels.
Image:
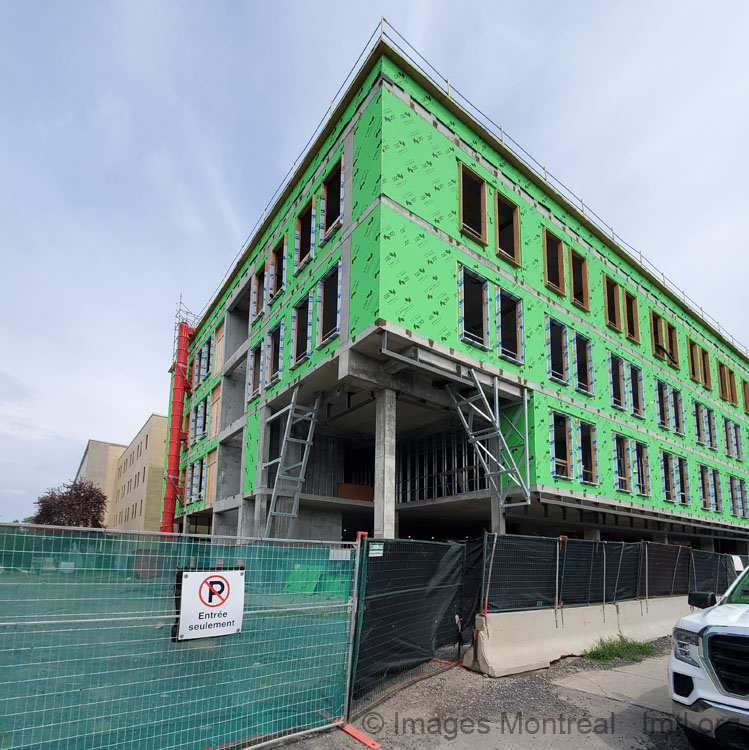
[{"x": 290, "y": 474}]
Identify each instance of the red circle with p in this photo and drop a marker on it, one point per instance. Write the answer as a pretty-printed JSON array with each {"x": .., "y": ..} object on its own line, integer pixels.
[{"x": 214, "y": 591}]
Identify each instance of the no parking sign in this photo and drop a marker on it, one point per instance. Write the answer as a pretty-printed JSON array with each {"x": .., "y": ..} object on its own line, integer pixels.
[{"x": 212, "y": 603}]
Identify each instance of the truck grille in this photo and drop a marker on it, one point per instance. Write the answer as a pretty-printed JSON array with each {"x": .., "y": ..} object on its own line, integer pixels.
[{"x": 729, "y": 656}]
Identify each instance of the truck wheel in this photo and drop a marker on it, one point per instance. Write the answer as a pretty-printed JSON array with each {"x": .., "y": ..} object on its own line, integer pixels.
[{"x": 699, "y": 741}]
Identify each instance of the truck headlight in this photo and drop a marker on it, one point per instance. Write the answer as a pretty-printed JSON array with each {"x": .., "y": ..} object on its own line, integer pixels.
[{"x": 686, "y": 646}]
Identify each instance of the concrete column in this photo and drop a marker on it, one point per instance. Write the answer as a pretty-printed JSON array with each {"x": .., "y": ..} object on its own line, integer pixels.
[
  {"x": 593, "y": 535},
  {"x": 498, "y": 517},
  {"x": 260, "y": 514},
  {"x": 384, "y": 475}
]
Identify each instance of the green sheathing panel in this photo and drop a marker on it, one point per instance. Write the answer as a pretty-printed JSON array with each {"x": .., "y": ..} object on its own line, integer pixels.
[
  {"x": 367, "y": 175},
  {"x": 301, "y": 282},
  {"x": 364, "y": 305},
  {"x": 420, "y": 267},
  {"x": 250, "y": 454}
]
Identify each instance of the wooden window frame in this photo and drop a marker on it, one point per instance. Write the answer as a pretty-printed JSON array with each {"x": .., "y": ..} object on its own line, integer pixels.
[
  {"x": 718, "y": 491},
  {"x": 565, "y": 354},
  {"x": 259, "y": 307},
  {"x": 640, "y": 390},
  {"x": 668, "y": 476},
  {"x": 567, "y": 442},
  {"x": 275, "y": 350},
  {"x": 745, "y": 395},
  {"x": 465, "y": 335},
  {"x": 704, "y": 473},
  {"x": 301, "y": 262},
  {"x": 304, "y": 303},
  {"x": 693, "y": 360},
  {"x": 515, "y": 258},
  {"x": 469, "y": 231},
  {"x": 635, "y": 336},
  {"x": 622, "y": 382},
  {"x": 732, "y": 395},
  {"x": 699, "y": 428},
  {"x": 587, "y": 390},
  {"x": 658, "y": 343},
  {"x": 585, "y": 304},
  {"x": 682, "y": 468},
  {"x": 645, "y": 492},
  {"x": 257, "y": 358},
  {"x": 677, "y": 405},
  {"x": 593, "y": 452},
  {"x": 707, "y": 379},
  {"x": 672, "y": 338},
  {"x": 279, "y": 249},
  {"x": 661, "y": 387},
  {"x": 326, "y": 232},
  {"x": 628, "y": 469},
  {"x": 615, "y": 324},
  {"x": 722, "y": 381},
  {"x": 503, "y": 293},
  {"x": 562, "y": 288},
  {"x": 323, "y": 337}
]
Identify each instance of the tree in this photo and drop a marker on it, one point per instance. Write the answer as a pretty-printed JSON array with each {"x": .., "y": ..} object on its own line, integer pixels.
[{"x": 75, "y": 504}]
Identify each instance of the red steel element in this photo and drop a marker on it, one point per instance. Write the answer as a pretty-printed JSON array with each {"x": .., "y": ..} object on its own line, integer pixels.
[
  {"x": 357, "y": 735},
  {"x": 179, "y": 386}
]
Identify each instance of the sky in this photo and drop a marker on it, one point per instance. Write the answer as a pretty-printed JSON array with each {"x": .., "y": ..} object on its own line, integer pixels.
[{"x": 141, "y": 141}]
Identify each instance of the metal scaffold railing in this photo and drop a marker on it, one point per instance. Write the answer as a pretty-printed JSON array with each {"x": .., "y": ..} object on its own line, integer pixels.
[{"x": 499, "y": 434}]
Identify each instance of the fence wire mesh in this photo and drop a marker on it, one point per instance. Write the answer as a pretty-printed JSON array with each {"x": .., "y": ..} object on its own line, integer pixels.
[
  {"x": 91, "y": 658},
  {"x": 540, "y": 572},
  {"x": 410, "y": 614}
]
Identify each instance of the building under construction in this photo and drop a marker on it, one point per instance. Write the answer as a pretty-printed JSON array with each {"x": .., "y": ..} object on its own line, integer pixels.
[{"x": 428, "y": 337}]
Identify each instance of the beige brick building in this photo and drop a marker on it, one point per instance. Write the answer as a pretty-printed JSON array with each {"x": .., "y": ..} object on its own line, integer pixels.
[
  {"x": 99, "y": 466},
  {"x": 136, "y": 503}
]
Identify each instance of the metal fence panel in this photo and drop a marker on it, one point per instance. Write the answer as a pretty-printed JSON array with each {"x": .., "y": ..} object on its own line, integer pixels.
[
  {"x": 410, "y": 611},
  {"x": 711, "y": 572},
  {"x": 91, "y": 659},
  {"x": 520, "y": 573},
  {"x": 664, "y": 570}
]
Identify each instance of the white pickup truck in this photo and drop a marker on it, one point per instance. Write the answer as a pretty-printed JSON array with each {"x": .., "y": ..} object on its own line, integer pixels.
[{"x": 708, "y": 673}]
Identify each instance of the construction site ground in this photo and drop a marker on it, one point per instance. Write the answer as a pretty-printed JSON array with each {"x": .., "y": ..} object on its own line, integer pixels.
[{"x": 576, "y": 703}]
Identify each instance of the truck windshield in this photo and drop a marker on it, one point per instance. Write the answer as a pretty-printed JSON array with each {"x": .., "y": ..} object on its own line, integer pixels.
[{"x": 740, "y": 595}]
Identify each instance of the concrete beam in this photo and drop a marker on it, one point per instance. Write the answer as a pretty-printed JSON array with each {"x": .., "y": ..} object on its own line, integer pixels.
[{"x": 384, "y": 479}]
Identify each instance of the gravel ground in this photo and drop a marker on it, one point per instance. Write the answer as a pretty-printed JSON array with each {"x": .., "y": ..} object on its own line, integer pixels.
[{"x": 459, "y": 695}]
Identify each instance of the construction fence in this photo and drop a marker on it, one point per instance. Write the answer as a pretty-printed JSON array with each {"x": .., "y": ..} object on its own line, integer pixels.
[
  {"x": 94, "y": 657},
  {"x": 102, "y": 647},
  {"x": 523, "y": 573}
]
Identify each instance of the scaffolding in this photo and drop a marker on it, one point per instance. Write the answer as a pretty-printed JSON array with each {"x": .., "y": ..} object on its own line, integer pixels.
[{"x": 499, "y": 434}]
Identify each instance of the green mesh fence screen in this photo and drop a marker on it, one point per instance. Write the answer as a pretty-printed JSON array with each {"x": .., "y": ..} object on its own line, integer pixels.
[{"x": 90, "y": 657}]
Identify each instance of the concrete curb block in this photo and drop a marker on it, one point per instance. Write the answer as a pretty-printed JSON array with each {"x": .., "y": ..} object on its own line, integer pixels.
[{"x": 511, "y": 642}]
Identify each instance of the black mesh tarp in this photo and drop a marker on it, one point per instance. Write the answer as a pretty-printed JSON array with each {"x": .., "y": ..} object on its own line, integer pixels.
[
  {"x": 410, "y": 610},
  {"x": 664, "y": 570},
  {"x": 711, "y": 572},
  {"x": 520, "y": 572}
]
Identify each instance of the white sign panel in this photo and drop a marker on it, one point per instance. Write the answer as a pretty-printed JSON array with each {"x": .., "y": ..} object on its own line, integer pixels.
[{"x": 212, "y": 603}]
